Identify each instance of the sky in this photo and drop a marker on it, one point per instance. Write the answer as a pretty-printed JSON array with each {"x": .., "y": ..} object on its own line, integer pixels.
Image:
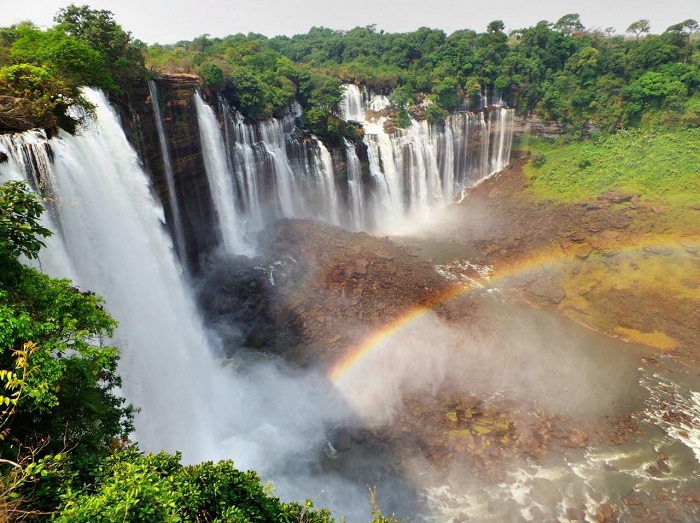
[{"x": 168, "y": 21}]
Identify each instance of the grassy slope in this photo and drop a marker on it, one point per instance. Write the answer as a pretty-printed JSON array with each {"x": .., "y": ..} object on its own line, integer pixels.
[
  {"x": 652, "y": 163},
  {"x": 663, "y": 168}
]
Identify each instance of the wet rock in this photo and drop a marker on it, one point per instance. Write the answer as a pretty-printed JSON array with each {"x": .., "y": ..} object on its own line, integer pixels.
[
  {"x": 452, "y": 419},
  {"x": 547, "y": 289},
  {"x": 575, "y": 514},
  {"x": 631, "y": 500},
  {"x": 3, "y": 157},
  {"x": 607, "y": 513},
  {"x": 653, "y": 471},
  {"x": 662, "y": 251},
  {"x": 577, "y": 438},
  {"x": 663, "y": 466}
]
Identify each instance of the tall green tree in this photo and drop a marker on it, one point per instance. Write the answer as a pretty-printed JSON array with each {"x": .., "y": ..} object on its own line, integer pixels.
[
  {"x": 639, "y": 28},
  {"x": 99, "y": 30}
]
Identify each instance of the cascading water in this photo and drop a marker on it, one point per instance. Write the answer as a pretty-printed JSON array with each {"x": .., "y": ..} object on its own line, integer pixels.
[
  {"x": 220, "y": 179},
  {"x": 173, "y": 200},
  {"x": 277, "y": 175},
  {"x": 111, "y": 239},
  {"x": 421, "y": 167},
  {"x": 115, "y": 244},
  {"x": 270, "y": 170},
  {"x": 355, "y": 189}
]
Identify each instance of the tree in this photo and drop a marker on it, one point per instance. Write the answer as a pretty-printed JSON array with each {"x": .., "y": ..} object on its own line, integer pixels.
[
  {"x": 446, "y": 93},
  {"x": 98, "y": 29},
  {"x": 639, "y": 28},
  {"x": 496, "y": 26},
  {"x": 63, "y": 56},
  {"x": 21, "y": 232},
  {"x": 67, "y": 378},
  {"x": 685, "y": 30},
  {"x": 212, "y": 75},
  {"x": 130, "y": 487},
  {"x": 569, "y": 24}
]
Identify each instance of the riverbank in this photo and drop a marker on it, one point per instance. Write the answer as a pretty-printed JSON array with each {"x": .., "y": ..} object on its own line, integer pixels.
[{"x": 623, "y": 265}]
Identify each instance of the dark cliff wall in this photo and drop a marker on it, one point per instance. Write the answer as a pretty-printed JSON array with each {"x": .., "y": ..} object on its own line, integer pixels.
[{"x": 175, "y": 95}]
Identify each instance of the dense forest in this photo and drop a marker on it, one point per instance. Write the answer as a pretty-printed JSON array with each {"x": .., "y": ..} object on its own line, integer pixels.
[
  {"x": 558, "y": 72},
  {"x": 555, "y": 71},
  {"x": 64, "y": 448}
]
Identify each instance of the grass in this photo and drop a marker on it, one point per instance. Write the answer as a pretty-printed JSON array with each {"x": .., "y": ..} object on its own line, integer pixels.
[{"x": 656, "y": 164}]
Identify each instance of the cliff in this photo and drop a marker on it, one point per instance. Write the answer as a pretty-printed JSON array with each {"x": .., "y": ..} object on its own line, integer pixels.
[{"x": 180, "y": 126}]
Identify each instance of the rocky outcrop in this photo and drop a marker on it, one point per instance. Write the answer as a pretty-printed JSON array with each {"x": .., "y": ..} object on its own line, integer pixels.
[
  {"x": 315, "y": 290},
  {"x": 17, "y": 114}
]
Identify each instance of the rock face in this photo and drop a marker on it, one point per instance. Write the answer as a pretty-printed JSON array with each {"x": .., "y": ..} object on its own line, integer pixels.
[
  {"x": 315, "y": 290},
  {"x": 180, "y": 126},
  {"x": 17, "y": 114}
]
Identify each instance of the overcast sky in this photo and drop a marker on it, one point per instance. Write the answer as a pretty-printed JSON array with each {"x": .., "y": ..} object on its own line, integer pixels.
[{"x": 167, "y": 21}]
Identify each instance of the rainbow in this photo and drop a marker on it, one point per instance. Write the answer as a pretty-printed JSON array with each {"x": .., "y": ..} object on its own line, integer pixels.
[{"x": 382, "y": 337}]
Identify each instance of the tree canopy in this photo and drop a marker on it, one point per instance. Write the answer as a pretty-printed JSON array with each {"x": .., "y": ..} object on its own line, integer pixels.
[{"x": 557, "y": 71}]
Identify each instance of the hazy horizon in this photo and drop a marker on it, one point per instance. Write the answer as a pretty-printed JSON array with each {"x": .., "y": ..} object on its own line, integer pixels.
[{"x": 169, "y": 21}]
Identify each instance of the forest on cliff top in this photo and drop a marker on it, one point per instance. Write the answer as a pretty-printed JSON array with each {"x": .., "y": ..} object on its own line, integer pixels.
[{"x": 558, "y": 72}]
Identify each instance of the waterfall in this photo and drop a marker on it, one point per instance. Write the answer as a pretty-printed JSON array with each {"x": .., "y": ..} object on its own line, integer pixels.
[
  {"x": 180, "y": 245},
  {"x": 353, "y": 104},
  {"x": 220, "y": 179},
  {"x": 504, "y": 138},
  {"x": 422, "y": 167},
  {"x": 355, "y": 189},
  {"x": 112, "y": 241},
  {"x": 277, "y": 173},
  {"x": 268, "y": 170}
]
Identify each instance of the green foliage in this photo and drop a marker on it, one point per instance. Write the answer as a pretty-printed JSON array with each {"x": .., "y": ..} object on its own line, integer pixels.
[
  {"x": 68, "y": 377},
  {"x": 402, "y": 96},
  {"x": 157, "y": 488},
  {"x": 639, "y": 28},
  {"x": 44, "y": 70},
  {"x": 20, "y": 230},
  {"x": 57, "y": 379},
  {"x": 63, "y": 56},
  {"x": 99, "y": 30},
  {"x": 446, "y": 93},
  {"x": 537, "y": 159},
  {"x": 557, "y": 71},
  {"x": 435, "y": 114},
  {"x": 649, "y": 162},
  {"x": 212, "y": 75},
  {"x": 328, "y": 126}
]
